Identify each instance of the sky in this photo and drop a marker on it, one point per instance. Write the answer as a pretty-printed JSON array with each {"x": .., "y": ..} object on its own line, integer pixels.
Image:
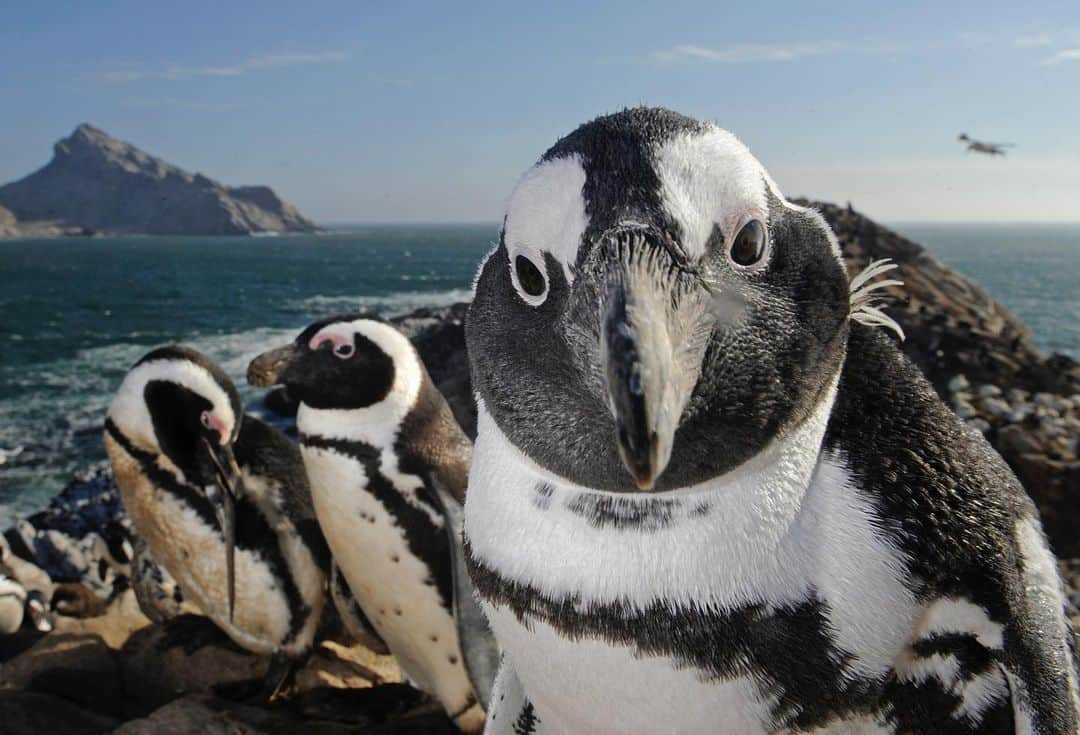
[{"x": 418, "y": 112}]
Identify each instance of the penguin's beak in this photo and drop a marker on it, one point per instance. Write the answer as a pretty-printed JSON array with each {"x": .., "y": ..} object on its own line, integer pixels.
[
  {"x": 649, "y": 354},
  {"x": 230, "y": 486},
  {"x": 270, "y": 368},
  {"x": 643, "y": 451}
]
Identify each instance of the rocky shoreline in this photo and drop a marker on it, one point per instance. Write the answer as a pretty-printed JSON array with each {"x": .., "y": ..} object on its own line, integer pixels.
[{"x": 105, "y": 663}]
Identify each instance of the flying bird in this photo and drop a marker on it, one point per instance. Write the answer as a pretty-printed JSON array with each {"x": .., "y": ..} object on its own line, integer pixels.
[{"x": 978, "y": 146}]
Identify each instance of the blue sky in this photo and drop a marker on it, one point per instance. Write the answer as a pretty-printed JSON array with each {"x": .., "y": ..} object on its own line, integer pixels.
[{"x": 429, "y": 112}]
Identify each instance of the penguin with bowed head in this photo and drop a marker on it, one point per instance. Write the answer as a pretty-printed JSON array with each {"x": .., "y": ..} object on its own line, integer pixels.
[{"x": 221, "y": 501}]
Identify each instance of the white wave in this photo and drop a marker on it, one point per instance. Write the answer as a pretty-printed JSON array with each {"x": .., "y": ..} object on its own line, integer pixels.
[
  {"x": 6, "y": 454},
  {"x": 389, "y": 305}
]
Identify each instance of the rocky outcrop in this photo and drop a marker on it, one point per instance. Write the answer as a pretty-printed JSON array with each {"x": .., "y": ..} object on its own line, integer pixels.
[
  {"x": 983, "y": 362},
  {"x": 98, "y": 184},
  {"x": 952, "y": 325}
]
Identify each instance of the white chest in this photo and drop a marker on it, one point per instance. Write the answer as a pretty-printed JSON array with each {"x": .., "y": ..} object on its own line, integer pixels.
[
  {"x": 394, "y": 587},
  {"x": 786, "y": 528}
]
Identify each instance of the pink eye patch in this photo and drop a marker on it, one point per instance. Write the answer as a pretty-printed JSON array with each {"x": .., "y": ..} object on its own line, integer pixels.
[{"x": 336, "y": 340}]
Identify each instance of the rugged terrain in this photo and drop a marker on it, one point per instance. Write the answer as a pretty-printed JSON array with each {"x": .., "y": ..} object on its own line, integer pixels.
[
  {"x": 107, "y": 664},
  {"x": 96, "y": 184}
]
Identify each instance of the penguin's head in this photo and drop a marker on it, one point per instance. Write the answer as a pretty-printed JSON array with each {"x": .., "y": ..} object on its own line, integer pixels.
[
  {"x": 344, "y": 362},
  {"x": 655, "y": 312},
  {"x": 177, "y": 402}
]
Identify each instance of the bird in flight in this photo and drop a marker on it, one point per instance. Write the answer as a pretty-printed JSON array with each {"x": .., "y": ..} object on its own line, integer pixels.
[{"x": 978, "y": 146}]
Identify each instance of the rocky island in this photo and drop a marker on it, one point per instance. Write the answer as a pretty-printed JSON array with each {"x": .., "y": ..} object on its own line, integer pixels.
[
  {"x": 96, "y": 184},
  {"x": 106, "y": 664}
]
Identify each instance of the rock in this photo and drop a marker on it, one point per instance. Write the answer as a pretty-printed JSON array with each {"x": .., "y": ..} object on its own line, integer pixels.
[
  {"x": 988, "y": 391},
  {"x": 958, "y": 383},
  {"x": 1017, "y": 396},
  {"x": 965, "y": 410},
  {"x": 980, "y": 425},
  {"x": 1019, "y": 414},
  {"x": 207, "y": 715},
  {"x": 34, "y": 713},
  {"x": 996, "y": 407},
  {"x": 1017, "y": 440},
  {"x": 8, "y": 226},
  {"x": 76, "y": 601},
  {"x": 157, "y": 669},
  {"x": 79, "y": 668},
  {"x": 120, "y": 620},
  {"x": 1045, "y": 400},
  {"x": 96, "y": 183},
  {"x": 1054, "y": 485},
  {"x": 337, "y": 666},
  {"x": 953, "y": 326},
  {"x": 12, "y": 605}
]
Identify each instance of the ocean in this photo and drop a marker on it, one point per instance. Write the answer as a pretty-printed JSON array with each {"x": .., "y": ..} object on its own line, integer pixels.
[{"x": 75, "y": 314}]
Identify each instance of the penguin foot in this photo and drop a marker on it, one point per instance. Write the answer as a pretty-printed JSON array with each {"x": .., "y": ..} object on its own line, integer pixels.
[
  {"x": 191, "y": 632},
  {"x": 271, "y": 687}
]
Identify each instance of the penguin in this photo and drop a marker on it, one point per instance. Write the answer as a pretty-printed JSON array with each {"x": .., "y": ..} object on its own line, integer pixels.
[
  {"x": 709, "y": 493},
  {"x": 221, "y": 501},
  {"x": 385, "y": 459}
]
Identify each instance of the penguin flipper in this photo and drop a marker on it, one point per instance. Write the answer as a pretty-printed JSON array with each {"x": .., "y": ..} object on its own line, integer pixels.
[
  {"x": 479, "y": 651},
  {"x": 510, "y": 711}
]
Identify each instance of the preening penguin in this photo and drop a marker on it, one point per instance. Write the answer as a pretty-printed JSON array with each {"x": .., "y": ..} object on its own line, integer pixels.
[
  {"x": 388, "y": 464},
  {"x": 707, "y": 495},
  {"x": 220, "y": 500}
]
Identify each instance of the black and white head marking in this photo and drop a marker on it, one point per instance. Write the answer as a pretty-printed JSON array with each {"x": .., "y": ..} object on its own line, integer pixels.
[
  {"x": 172, "y": 400},
  {"x": 652, "y": 289}
]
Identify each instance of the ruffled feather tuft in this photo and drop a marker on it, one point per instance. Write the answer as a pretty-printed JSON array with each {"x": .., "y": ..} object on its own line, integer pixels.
[{"x": 865, "y": 297}]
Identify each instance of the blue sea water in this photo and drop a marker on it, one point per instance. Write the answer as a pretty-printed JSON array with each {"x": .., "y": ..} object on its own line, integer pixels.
[{"x": 76, "y": 313}]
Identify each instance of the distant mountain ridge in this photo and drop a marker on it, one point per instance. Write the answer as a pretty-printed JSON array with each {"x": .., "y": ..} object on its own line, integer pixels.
[{"x": 98, "y": 184}]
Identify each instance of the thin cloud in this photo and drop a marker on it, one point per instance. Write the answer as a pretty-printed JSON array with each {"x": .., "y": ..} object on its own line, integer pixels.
[
  {"x": 765, "y": 52},
  {"x": 1071, "y": 54},
  {"x": 1041, "y": 39},
  {"x": 254, "y": 63},
  {"x": 974, "y": 39}
]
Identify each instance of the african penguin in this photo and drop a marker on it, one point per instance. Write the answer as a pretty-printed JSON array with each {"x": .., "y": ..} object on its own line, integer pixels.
[
  {"x": 173, "y": 430},
  {"x": 383, "y": 453},
  {"x": 707, "y": 496}
]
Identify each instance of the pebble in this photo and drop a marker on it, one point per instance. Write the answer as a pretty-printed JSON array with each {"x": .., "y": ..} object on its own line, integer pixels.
[
  {"x": 1017, "y": 395},
  {"x": 996, "y": 407},
  {"x": 965, "y": 410},
  {"x": 959, "y": 383},
  {"x": 1044, "y": 399},
  {"x": 980, "y": 425},
  {"x": 1019, "y": 414},
  {"x": 989, "y": 391}
]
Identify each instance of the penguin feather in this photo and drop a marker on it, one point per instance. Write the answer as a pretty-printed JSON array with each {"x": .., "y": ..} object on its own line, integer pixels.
[{"x": 865, "y": 299}]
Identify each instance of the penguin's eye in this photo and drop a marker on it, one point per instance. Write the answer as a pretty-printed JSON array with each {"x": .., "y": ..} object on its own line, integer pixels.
[
  {"x": 204, "y": 418},
  {"x": 531, "y": 280},
  {"x": 748, "y": 247},
  {"x": 344, "y": 351}
]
